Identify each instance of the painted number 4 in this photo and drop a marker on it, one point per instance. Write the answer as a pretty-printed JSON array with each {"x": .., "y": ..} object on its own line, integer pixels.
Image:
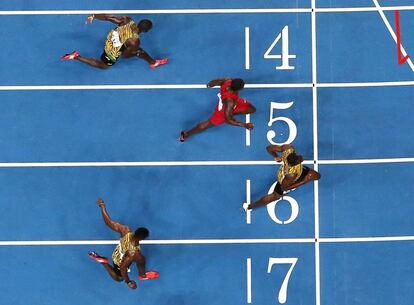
[
  {"x": 283, "y": 36},
  {"x": 285, "y": 56}
]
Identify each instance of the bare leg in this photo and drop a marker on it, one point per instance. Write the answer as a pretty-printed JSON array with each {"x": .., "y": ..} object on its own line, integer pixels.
[
  {"x": 264, "y": 200},
  {"x": 145, "y": 56},
  {"x": 311, "y": 176},
  {"x": 198, "y": 128},
  {"x": 92, "y": 62},
  {"x": 141, "y": 265},
  {"x": 112, "y": 272}
]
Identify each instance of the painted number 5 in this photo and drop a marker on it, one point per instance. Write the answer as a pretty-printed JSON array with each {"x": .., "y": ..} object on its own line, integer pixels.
[
  {"x": 282, "y": 297},
  {"x": 271, "y": 134}
]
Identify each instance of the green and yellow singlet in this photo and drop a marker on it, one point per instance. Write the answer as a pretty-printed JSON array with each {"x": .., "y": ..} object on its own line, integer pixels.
[
  {"x": 286, "y": 169},
  {"x": 117, "y": 37},
  {"x": 125, "y": 244}
]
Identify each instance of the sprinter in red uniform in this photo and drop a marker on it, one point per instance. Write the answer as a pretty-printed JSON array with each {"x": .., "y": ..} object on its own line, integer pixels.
[{"x": 229, "y": 104}]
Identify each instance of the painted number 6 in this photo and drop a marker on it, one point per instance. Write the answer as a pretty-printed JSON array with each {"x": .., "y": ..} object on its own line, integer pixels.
[{"x": 271, "y": 208}]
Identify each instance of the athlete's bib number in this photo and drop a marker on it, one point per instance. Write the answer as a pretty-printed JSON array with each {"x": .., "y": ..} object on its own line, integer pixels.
[
  {"x": 220, "y": 102},
  {"x": 116, "y": 40}
]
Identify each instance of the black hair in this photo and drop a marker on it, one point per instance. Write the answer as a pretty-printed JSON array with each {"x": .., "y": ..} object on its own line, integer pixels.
[
  {"x": 292, "y": 159},
  {"x": 237, "y": 84},
  {"x": 141, "y": 233},
  {"x": 145, "y": 25}
]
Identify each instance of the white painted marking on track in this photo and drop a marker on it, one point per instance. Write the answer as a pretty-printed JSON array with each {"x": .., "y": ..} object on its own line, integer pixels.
[
  {"x": 315, "y": 150},
  {"x": 247, "y": 48},
  {"x": 206, "y": 11},
  {"x": 391, "y": 30},
  {"x": 248, "y": 201},
  {"x": 203, "y": 86},
  {"x": 157, "y": 242},
  {"x": 247, "y": 131},
  {"x": 249, "y": 279},
  {"x": 210, "y": 241},
  {"x": 141, "y": 87},
  {"x": 196, "y": 163},
  {"x": 161, "y": 11},
  {"x": 363, "y": 9}
]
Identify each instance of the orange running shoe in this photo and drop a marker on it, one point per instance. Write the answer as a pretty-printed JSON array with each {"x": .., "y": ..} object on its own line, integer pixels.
[
  {"x": 96, "y": 257},
  {"x": 149, "y": 275},
  {"x": 159, "y": 62},
  {"x": 70, "y": 56}
]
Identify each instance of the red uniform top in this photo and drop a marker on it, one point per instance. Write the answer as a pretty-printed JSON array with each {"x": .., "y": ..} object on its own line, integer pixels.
[{"x": 241, "y": 105}]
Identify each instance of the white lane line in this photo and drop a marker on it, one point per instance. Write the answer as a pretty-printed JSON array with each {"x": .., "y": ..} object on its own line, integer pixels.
[
  {"x": 391, "y": 30},
  {"x": 363, "y": 9},
  {"x": 142, "y": 87},
  {"x": 366, "y": 239},
  {"x": 315, "y": 151},
  {"x": 247, "y": 48},
  {"x": 365, "y": 84},
  {"x": 117, "y": 164},
  {"x": 248, "y": 201},
  {"x": 157, "y": 242},
  {"x": 247, "y": 131},
  {"x": 161, "y": 11},
  {"x": 210, "y": 241},
  {"x": 207, "y": 11},
  {"x": 197, "y": 163},
  {"x": 203, "y": 86},
  {"x": 367, "y": 161},
  {"x": 249, "y": 279}
]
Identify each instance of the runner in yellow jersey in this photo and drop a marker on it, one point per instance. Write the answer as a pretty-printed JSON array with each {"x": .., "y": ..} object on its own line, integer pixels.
[
  {"x": 290, "y": 175},
  {"x": 122, "y": 41},
  {"x": 126, "y": 252}
]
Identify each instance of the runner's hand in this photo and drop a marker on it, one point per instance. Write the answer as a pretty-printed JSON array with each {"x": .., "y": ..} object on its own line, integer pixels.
[
  {"x": 249, "y": 126},
  {"x": 90, "y": 19},
  {"x": 132, "y": 285},
  {"x": 100, "y": 202}
]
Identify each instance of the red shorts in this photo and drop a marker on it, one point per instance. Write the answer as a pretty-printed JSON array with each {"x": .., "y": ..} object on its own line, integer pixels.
[{"x": 218, "y": 116}]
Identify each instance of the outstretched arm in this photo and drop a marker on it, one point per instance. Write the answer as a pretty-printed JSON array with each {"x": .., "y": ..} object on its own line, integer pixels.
[
  {"x": 216, "y": 82},
  {"x": 122, "y": 229},
  {"x": 228, "y": 114},
  {"x": 119, "y": 20},
  {"x": 274, "y": 149}
]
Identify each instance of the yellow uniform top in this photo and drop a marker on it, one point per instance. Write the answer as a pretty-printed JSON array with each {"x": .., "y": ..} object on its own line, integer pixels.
[
  {"x": 125, "y": 244},
  {"x": 117, "y": 37},
  {"x": 286, "y": 168}
]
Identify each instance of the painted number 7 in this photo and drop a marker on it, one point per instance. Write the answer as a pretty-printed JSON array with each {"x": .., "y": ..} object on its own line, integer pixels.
[{"x": 282, "y": 297}]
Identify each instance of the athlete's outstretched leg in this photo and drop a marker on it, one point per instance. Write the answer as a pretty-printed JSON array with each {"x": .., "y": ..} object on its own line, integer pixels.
[
  {"x": 198, "y": 128},
  {"x": 264, "y": 200},
  {"x": 112, "y": 272},
  {"x": 145, "y": 56},
  {"x": 104, "y": 262},
  {"x": 93, "y": 62},
  {"x": 152, "y": 62}
]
